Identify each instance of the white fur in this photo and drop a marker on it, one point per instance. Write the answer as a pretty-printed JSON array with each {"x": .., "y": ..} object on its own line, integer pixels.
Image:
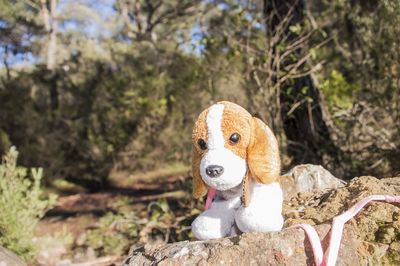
[
  {"x": 215, "y": 135},
  {"x": 218, "y": 221},
  {"x": 264, "y": 213}
]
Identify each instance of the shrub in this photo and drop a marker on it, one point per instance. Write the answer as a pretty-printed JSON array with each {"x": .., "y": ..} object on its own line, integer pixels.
[
  {"x": 113, "y": 234},
  {"x": 21, "y": 205},
  {"x": 339, "y": 93}
]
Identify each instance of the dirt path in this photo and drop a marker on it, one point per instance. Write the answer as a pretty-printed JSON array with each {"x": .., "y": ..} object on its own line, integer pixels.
[{"x": 63, "y": 232}]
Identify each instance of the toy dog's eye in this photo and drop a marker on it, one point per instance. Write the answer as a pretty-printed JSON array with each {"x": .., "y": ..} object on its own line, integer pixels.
[
  {"x": 234, "y": 138},
  {"x": 202, "y": 144}
]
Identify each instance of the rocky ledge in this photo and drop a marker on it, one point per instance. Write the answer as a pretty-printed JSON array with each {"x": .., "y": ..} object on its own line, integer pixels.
[
  {"x": 289, "y": 247},
  {"x": 371, "y": 238},
  {"x": 8, "y": 258}
]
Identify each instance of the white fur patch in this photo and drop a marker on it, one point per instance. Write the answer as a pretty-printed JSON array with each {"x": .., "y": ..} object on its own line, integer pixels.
[
  {"x": 215, "y": 135},
  {"x": 264, "y": 213}
]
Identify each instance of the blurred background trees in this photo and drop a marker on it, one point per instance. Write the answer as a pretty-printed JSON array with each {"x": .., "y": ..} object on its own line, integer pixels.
[{"x": 90, "y": 88}]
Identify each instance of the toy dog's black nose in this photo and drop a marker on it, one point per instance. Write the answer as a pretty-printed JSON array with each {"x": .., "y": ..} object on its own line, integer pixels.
[{"x": 214, "y": 170}]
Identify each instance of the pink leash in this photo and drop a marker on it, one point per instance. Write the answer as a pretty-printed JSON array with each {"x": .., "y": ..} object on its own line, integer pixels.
[{"x": 330, "y": 256}]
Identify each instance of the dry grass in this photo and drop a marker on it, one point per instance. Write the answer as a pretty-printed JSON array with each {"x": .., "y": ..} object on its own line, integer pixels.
[{"x": 125, "y": 178}]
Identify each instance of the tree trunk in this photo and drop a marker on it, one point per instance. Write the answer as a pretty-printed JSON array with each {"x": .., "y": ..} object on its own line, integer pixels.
[
  {"x": 305, "y": 126},
  {"x": 52, "y": 46},
  {"x": 49, "y": 14}
]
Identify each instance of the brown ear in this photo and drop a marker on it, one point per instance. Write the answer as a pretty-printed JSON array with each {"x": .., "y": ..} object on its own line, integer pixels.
[
  {"x": 263, "y": 153},
  {"x": 199, "y": 187}
]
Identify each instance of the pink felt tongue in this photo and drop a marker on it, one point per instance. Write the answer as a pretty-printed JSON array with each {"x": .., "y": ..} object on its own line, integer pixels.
[{"x": 210, "y": 197}]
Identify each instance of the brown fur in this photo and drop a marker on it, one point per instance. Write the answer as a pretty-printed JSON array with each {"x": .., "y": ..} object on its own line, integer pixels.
[
  {"x": 263, "y": 153},
  {"x": 199, "y": 187},
  {"x": 235, "y": 119},
  {"x": 199, "y": 132},
  {"x": 257, "y": 145}
]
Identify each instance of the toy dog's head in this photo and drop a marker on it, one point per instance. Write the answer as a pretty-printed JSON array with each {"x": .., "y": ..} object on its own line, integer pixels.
[{"x": 230, "y": 146}]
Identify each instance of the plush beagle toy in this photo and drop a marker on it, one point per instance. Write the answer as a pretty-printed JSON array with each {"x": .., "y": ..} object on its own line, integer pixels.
[{"x": 236, "y": 156}]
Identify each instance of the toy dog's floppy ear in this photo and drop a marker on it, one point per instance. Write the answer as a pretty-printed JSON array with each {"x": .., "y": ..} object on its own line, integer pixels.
[
  {"x": 263, "y": 153},
  {"x": 199, "y": 187}
]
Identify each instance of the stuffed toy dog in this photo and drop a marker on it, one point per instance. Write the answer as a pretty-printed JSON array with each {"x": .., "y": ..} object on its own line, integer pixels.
[{"x": 237, "y": 156}]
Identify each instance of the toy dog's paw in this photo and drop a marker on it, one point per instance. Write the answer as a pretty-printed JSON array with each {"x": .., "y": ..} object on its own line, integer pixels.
[
  {"x": 252, "y": 220},
  {"x": 206, "y": 227},
  {"x": 264, "y": 213}
]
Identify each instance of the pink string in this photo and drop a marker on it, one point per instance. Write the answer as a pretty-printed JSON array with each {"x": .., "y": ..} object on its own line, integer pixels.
[
  {"x": 210, "y": 197},
  {"x": 314, "y": 240},
  {"x": 331, "y": 254}
]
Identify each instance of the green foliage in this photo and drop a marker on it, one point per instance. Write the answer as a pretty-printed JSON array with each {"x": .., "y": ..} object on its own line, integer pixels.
[
  {"x": 105, "y": 115},
  {"x": 113, "y": 234},
  {"x": 21, "y": 205},
  {"x": 64, "y": 236},
  {"x": 125, "y": 89},
  {"x": 108, "y": 100},
  {"x": 117, "y": 231},
  {"x": 339, "y": 93}
]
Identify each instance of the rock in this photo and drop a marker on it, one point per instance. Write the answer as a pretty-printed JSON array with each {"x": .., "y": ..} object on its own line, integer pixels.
[
  {"x": 371, "y": 238},
  {"x": 322, "y": 207},
  {"x": 51, "y": 250},
  {"x": 288, "y": 247},
  {"x": 308, "y": 178},
  {"x": 377, "y": 226},
  {"x": 8, "y": 258}
]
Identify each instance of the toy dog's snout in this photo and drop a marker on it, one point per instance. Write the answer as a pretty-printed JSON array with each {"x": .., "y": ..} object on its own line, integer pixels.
[{"x": 214, "y": 170}]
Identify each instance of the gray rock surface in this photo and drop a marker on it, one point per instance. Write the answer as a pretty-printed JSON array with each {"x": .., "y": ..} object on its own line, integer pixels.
[
  {"x": 288, "y": 247},
  {"x": 8, "y": 258},
  {"x": 308, "y": 178}
]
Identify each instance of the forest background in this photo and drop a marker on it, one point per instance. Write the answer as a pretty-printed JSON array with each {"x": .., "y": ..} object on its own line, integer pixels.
[{"x": 97, "y": 92}]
